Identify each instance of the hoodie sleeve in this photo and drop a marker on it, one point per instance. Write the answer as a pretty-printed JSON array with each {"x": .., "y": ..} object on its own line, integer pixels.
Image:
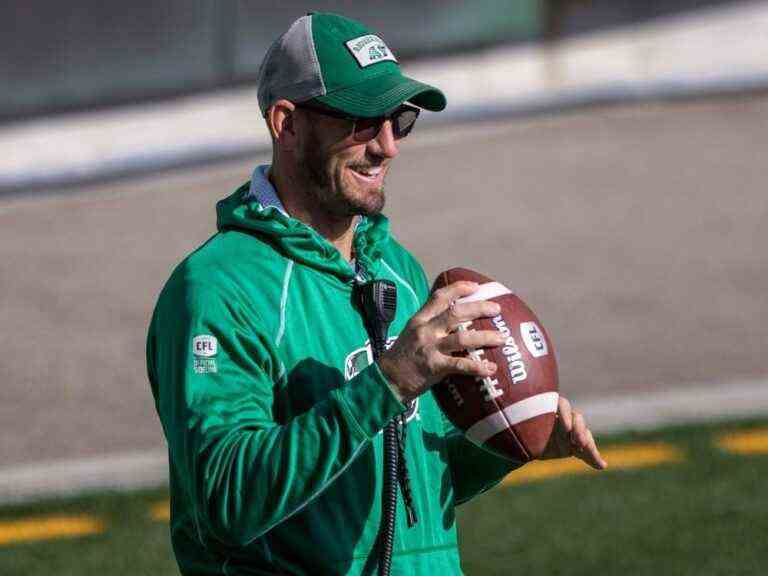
[
  {"x": 473, "y": 469},
  {"x": 213, "y": 372}
]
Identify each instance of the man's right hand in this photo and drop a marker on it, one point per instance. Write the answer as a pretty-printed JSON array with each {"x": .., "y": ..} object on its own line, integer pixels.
[{"x": 421, "y": 356}]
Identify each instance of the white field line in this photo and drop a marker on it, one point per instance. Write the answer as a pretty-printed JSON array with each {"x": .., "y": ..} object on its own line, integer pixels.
[
  {"x": 122, "y": 471},
  {"x": 145, "y": 469},
  {"x": 679, "y": 404}
]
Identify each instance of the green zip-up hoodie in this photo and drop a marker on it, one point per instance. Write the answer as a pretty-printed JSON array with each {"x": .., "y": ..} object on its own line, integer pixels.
[{"x": 262, "y": 377}]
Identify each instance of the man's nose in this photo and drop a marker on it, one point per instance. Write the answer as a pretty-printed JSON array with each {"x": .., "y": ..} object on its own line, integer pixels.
[{"x": 385, "y": 144}]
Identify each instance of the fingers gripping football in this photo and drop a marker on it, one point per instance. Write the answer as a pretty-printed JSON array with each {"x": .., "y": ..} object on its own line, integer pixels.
[
  {"x": 441, "y": 300},
  {"x": 470, "y": 340},
  {"x": 422, "y": 354}
]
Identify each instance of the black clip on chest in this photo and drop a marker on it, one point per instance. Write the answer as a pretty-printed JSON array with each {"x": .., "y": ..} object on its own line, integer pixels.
[{"x": 378, "y": 300}]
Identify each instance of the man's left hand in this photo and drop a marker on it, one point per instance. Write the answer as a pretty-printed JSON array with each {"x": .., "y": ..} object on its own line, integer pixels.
[{"x": 572, "y": 437}]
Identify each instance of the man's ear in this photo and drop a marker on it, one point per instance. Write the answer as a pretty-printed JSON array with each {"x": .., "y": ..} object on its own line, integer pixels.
[{"x": 282, "y": 124}]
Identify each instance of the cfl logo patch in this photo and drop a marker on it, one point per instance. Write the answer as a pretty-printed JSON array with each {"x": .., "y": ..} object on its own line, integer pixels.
[
  {"x": 204, "y": 348},
  {"x": 205, "y": 345},
  {"x": 534, "y": 339}
]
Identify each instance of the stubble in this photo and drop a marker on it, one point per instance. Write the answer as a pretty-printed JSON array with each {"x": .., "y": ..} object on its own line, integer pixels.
[{"x": 326, "y": 186}]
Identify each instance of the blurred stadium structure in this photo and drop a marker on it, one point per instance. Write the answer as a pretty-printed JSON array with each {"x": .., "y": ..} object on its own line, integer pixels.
[
  {"x": 77, "y": 283},
  {"x": 718, "y": 49},
  {"x": 81, "y": 54}
]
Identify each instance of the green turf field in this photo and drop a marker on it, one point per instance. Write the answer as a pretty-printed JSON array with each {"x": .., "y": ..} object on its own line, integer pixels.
[{"x": 703, "y": 513}]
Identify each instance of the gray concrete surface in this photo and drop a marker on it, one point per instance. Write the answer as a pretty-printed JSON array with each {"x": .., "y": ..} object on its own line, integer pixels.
[{"x": 637, "y": 233}]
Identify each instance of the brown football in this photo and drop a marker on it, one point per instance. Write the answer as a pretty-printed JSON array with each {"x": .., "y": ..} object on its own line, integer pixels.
[{"x": 512, "y": 413}]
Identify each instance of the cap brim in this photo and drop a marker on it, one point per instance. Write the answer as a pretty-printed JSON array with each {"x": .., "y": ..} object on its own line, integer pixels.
[{"x": 380, "y": 95}]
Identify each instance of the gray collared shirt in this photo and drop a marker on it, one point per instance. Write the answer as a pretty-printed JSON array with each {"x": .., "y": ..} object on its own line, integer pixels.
[{"x": 262, "y": 190}]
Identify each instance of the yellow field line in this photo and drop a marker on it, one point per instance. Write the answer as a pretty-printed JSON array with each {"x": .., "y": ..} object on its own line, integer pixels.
[
  {"x": 748, "y": 442},
  {"x": 160, "y": 511},
  {"x": 618, "y": 458},
  {"x": 48, "y": 528}
]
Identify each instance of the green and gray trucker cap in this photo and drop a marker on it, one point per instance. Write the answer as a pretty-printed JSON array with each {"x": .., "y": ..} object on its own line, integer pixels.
[{"x": 339, "y": 63}]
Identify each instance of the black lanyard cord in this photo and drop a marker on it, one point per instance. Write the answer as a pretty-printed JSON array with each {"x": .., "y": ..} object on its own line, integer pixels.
[
  {"x": 378, "y": 300},
  {"x": 402, "y": 472}
]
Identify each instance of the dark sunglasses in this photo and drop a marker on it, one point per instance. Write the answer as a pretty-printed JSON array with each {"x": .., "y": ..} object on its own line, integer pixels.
[{"x": 365, "y": 129}]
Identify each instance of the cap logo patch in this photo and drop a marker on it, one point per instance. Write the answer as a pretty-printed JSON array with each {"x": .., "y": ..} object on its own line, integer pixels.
[{"x": 369, "y": 50}]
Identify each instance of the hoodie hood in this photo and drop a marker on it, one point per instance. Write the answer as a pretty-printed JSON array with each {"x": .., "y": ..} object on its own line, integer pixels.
[{"x": 299, "y": 242}]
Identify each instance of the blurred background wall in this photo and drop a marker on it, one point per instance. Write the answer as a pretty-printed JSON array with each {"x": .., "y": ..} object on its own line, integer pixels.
[{"x": 59, "y": 56}]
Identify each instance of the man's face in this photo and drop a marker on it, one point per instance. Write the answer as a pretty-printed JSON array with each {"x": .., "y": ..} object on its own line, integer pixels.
[{"x": 344, "y": 177}]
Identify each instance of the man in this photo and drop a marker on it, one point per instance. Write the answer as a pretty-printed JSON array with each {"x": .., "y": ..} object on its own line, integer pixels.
[{"x": 257, "y": 351}]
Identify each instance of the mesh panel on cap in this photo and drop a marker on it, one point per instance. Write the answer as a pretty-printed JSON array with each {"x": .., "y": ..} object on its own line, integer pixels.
[{"x": 290, "y": 68}]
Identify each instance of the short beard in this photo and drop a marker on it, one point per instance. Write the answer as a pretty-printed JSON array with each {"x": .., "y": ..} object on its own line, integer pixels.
[{"x": 326, "y": 187}]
